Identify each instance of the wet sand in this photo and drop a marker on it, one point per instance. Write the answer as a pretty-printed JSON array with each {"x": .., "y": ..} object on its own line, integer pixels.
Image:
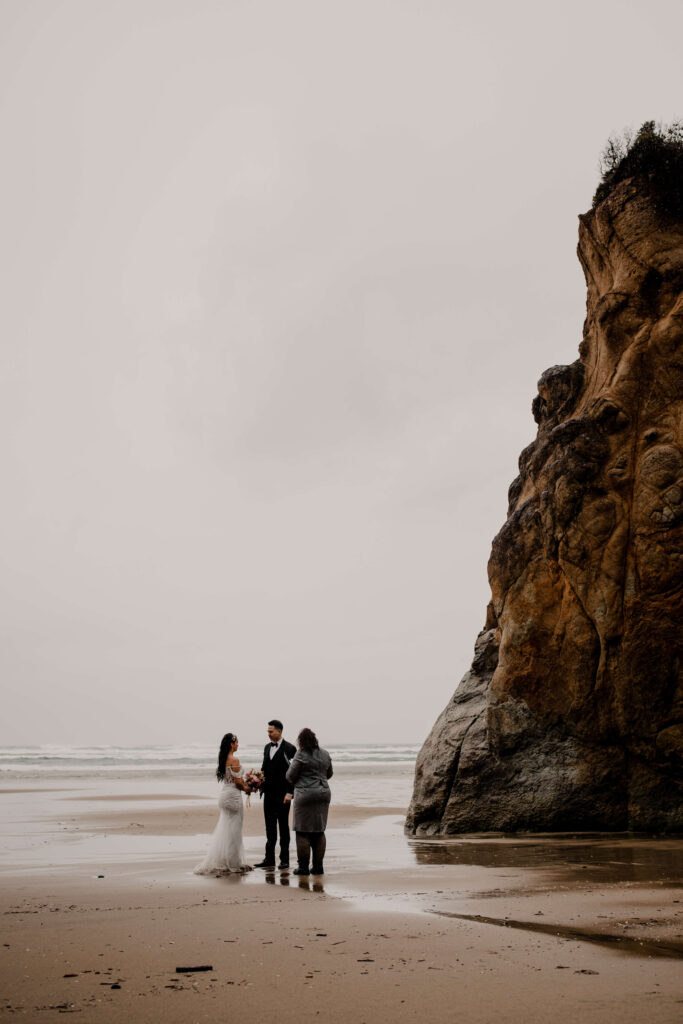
[
  {"x": 185, "y": 821},
  {"x": 98, "y": 914}
]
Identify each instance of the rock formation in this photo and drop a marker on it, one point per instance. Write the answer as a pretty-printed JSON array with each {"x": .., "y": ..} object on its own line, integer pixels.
[{"x": 571, "y": 716}]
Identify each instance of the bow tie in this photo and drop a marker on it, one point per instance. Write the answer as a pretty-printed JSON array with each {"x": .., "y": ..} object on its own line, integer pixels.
[{"x": 273, "y": 743}]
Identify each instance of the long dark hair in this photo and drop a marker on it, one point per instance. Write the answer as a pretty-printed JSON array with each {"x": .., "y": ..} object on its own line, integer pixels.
[
  {"x": 307, "y": 740},
  {"x": 223, "y": 753}
]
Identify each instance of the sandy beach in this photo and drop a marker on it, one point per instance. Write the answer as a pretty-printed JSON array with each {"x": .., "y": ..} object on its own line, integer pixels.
[{"x": 100, "y": 908}]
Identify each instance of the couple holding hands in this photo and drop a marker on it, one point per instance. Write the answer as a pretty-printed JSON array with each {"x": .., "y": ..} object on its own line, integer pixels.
[{"x": 289, "y": 775}]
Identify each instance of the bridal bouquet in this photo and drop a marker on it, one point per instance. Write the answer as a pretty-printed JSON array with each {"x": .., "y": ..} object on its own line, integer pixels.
[{"x": 254, "y": 779}]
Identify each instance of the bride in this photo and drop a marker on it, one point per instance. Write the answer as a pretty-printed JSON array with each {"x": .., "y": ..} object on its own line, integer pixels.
[{"x": 226, "y": 849}]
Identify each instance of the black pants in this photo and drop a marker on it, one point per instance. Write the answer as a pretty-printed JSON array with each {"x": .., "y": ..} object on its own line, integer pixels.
[
  {"x": 308, "y": 843},
  {"x": 276, "y": 813}
]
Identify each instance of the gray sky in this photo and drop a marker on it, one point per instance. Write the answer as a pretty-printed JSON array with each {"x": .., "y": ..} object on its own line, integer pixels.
[{"x": 279, "y": 279}]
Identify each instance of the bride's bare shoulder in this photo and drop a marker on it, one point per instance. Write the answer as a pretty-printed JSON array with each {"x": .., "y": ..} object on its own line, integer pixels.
[{"x": 233, "y": 761}]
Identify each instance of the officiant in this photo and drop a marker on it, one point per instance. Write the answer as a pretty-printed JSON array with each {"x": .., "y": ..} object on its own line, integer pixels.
[{"x": 277, "y": 794}]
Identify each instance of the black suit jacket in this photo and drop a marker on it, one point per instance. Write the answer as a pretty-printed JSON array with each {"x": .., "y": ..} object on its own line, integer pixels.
[{"x": 275, "y": 769}]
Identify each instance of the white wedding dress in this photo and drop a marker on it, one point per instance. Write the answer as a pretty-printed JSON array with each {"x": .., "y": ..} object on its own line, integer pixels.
[{"x": 226, "y": 849}]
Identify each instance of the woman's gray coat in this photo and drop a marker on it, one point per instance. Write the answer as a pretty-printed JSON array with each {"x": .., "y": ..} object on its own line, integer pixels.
[{"x": 309, "y": 772}]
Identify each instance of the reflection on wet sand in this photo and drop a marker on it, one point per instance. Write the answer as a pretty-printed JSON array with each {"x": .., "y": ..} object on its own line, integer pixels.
[
  {"x": 308, "y": 885},
  {"x": 615, "y": 890},
  {"x": 590, "y": 857},
  {"x": 304, "y": 882},
  {"x": 272, "y": 879},
  {"x": 626, "y": 944}
]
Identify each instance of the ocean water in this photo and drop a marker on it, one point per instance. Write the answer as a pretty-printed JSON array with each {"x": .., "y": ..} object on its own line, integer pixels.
[
  {"x": 61, "y": 760},
  {"x": 368, "y": 774}
]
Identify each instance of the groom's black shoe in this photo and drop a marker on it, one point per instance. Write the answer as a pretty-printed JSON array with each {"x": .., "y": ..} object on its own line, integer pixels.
[
  {"x": 301, "y": 871},
  {"x": 283, "y": 865},
  {"x": 265, "y": 864},
  {"x": 317, "y": 869}
]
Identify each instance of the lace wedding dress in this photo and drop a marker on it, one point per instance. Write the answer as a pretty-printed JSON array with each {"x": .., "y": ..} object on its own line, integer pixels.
[{"x": 226, "y": 849}]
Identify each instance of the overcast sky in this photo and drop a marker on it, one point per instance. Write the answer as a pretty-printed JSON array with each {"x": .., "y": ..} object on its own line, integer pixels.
[{"x": 279, "y": 278}]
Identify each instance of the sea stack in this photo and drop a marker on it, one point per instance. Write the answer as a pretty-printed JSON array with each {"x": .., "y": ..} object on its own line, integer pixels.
[{"x": 571, "y": 715}]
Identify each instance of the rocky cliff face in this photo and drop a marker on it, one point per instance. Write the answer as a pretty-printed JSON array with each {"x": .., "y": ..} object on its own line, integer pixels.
[{"x": 571, "y": 716}]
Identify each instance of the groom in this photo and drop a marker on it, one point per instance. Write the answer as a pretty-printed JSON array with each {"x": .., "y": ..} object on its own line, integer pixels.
[{"x": 277, "y": 794}]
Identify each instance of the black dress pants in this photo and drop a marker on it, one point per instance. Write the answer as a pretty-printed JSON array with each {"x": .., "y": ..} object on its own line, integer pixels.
[{"x": 276, "y": 813}]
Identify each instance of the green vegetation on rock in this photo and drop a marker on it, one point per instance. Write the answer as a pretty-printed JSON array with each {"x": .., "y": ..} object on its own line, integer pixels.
[{"x": 655, "y": 156}]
